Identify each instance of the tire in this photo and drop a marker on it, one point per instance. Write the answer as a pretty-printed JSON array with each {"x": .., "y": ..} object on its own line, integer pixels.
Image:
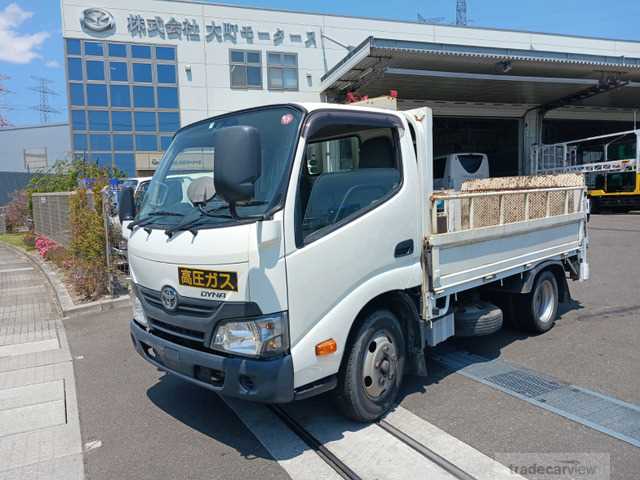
[
  {"x": 538, "y": 309},
  {"x": 371, "y": 374},
  {"x": 478, "y": 319}
]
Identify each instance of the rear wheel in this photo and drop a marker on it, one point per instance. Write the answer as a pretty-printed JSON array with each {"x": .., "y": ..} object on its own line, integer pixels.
[
  {"x": 371, "y": 374},
  {"x": 539, "y": 308}
]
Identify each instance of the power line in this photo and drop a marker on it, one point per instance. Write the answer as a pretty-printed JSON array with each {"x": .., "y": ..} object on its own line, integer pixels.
[{"x": 44, "y": 106}]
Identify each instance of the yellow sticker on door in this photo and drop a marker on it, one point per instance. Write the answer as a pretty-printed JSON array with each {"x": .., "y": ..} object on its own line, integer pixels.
[{"x": 212, "y": 279}]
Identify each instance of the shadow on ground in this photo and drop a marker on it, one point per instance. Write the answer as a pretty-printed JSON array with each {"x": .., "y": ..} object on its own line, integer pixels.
[{"x": 196, "y": 407}]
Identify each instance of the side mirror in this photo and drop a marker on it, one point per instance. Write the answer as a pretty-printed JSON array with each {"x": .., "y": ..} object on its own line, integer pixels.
[
  {"x": 237, "y": 163},
  {"x": 126, "y": 205}
]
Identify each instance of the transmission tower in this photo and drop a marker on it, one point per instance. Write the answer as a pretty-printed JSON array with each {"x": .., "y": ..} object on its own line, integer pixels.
[
  {"x": 461, "y": 12},
  {"x": 3, "y": 106},
  {"x": 43, "y": 89}
]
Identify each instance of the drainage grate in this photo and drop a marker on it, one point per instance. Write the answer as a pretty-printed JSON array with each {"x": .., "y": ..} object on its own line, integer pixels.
[
  {"x": 524, "y": 383},
  {"x": 592, "y": 409}
]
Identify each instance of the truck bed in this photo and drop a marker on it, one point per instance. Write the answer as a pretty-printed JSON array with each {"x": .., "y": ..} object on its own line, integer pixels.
[{"x": 480, "y": 234}]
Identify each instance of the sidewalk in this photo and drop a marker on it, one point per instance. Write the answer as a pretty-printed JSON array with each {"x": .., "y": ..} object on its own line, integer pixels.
[{"x": 39, "y": 426}]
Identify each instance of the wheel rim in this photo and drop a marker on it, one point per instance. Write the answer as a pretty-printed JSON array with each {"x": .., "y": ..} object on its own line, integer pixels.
[
  {"x": 544, "y": 301},
  {"x": 380, "y": 365}
]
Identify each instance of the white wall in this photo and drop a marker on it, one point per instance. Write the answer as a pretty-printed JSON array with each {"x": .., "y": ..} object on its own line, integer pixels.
[
  {"x": 13, "y": 141},
  {"x": 207, "y": 91}
]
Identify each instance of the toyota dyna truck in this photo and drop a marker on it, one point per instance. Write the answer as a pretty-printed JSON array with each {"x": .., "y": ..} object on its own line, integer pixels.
[{"x": 288, "y": 250}]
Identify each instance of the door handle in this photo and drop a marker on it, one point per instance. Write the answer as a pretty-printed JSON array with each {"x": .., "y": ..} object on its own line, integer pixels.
[{"x": 403, "y": 249}]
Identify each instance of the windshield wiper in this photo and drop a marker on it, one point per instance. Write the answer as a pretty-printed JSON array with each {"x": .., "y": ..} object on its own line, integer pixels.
[
  {"x": 192, "y": 225},
  {"x": 151, "y": 217}
]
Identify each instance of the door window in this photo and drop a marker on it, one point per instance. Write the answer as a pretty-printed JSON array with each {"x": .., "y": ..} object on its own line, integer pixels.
[{"x": 344, "y": 176}]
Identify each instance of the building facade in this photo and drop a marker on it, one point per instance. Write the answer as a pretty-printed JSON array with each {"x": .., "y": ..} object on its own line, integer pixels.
[
  {"x": 136, "y": 71},
  {"x": 33, "y": 148}
]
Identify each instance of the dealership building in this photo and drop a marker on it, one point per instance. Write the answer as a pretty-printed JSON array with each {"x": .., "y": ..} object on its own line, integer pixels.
[{"x": 138, "y": 70}]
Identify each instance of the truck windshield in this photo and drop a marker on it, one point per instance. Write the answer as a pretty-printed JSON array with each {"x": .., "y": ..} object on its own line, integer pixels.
[{"x": 191, "y": 155}]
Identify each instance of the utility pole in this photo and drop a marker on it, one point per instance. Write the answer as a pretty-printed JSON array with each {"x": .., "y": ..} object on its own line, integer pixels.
[
  {"x": 43, "y": 89},
  {"x": 4, "y": 122},
  {"x": 461, "y": 12}
]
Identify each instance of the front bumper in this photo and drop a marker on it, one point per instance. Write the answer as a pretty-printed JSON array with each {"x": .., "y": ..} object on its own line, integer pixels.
[{"x": 256, "y": 380}]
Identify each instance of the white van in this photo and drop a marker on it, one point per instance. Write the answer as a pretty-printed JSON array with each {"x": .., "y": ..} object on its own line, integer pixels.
[{"x": 449, "y": 171}]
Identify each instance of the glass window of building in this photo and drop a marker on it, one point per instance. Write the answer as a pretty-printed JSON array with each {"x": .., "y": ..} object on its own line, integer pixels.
[
  {"x": 246, "y": 69},
  {"x": 102, "y": 159},
  {"x": 165, "y": 53},
  {"x": 145, "y": 121},
  {"x": 123, "y": 143},
  {"x": 95, "y": 70},
  {"x": 142, "y": 72},
  {"x": 117, "y": 50},
  {"x": 282, "y": 71},
  {"x": 100, "y": 142},
  {"x": 93, "y": 48},
  {"x": 97, "y": 95},
  {"x": 99, "y": 120},
  {"x": 165, "y": 142},
  {"x": 140, "y": 51},
  {"x": 110, "y": 117},
  {"x": 80, "y": 142},
  {"x": 76, "y": 94},
  {"x": 74, "y": 69},
  {"x": 166, "y": 73},
  {"x": 78, "y": 120},
  {"x": 146, "y": 143},
  {"x": 125, "y": 162},
  {"x": 120, "y": 96},
  {"x": 143, "y": 97},
  {"x": 118, "y": 72},
  {"x": 121, "y": 121},
  {"x": 169, "y": 121},
  {"x": 167, "y": 97},
  {"x": 73, "y": 47}
]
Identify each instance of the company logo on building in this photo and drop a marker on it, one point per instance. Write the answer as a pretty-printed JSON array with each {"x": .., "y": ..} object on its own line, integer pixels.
[{"x": 97, "y": 20}]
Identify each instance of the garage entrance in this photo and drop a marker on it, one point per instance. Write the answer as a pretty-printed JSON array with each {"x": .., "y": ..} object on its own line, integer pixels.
[
  {"x": 493, "y": 100},
  {"x": 498, "y": 138}
]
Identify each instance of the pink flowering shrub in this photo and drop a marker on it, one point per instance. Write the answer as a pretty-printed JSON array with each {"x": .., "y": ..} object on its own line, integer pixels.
[{"x": 43, "y": 245}]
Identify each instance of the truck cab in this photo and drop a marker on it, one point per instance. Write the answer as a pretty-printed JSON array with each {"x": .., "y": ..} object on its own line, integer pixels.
[{"x": 292, "y": 259}]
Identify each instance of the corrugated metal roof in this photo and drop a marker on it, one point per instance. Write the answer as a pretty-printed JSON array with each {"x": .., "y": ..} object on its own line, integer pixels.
[
  {"x": 384, "y": 46},
  {"x": 503, "y": 53}
]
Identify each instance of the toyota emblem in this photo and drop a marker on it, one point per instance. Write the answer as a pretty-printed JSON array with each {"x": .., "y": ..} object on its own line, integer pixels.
[
  {"x": 169, "y": 297},
  {"x": 97, "y": 20}
]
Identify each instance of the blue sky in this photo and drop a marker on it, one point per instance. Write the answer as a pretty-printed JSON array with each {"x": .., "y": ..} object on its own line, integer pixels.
[{"x": 31, "y": 42}]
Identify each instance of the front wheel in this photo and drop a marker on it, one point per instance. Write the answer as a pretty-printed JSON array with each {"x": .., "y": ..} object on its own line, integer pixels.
[{"x": 371, "y": 374}]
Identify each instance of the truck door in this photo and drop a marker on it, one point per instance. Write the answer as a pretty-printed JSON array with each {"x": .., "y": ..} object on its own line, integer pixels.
[{"x": 354, "y": 219}]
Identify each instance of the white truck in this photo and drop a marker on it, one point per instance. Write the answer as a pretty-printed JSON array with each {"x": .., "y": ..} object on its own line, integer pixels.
[{"x": 288, "y": 250}]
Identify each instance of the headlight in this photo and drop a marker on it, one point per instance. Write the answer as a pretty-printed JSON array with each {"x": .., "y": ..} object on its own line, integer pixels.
[
  {"x": 265, "y": 336},
  {"x": 138, "y": 312}
]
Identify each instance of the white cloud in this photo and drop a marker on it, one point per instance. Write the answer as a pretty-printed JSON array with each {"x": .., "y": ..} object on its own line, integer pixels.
[
  {"x": 52, "y": 64},
  {"x": 15, "y": 47}
]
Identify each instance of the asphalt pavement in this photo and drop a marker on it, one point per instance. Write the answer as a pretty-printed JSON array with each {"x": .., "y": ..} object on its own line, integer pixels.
[{"x": 146, "y": 424}]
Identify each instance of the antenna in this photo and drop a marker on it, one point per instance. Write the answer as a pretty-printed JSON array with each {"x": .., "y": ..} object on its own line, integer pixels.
[
  {"x": 461, "y": 12},
  {"x": 43, "y": 89},
  {"x": 4, "y": 122}
]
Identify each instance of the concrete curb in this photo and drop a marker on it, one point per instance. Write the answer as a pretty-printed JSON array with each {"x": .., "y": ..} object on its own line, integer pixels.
[{"x": 63, "y": 300}]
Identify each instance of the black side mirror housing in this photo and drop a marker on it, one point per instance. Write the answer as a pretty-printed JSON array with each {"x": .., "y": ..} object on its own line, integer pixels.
[
  {"x": 237, "y": 163},
  {"x": 126, "y": 205}
]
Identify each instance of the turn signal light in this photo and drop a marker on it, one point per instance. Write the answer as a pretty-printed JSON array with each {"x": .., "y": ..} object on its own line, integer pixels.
[{"x": 327, "y": 347}]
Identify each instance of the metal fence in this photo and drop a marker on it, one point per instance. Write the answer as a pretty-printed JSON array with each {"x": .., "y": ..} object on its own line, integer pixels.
[{"x": 51, "y": 216}]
